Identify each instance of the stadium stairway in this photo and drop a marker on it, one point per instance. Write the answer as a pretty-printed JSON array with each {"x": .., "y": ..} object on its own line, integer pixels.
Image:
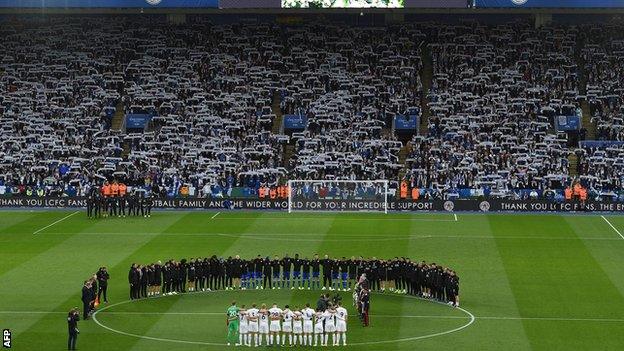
[
  {"x": 278, "y": 122},
  {"x": 573, "y": 165},
  {"x": 118, "y": 118},
  {"x": 426, "y": 77},
  {"x": 403, "y": 153},
  {"x": 586, "y": 122},
  {"x": 278, "y": 128}
]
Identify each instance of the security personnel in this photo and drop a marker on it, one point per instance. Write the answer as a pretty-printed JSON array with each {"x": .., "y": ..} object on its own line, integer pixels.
[
  {"x": 123, "y": 189},
  {"x": 102, "y": 278},
  {"x": 403, "y": 190},
  {"x": 147, "y": 204},
  {"x": 106, "y": 193},
  {"x": 72, "y": 325}
]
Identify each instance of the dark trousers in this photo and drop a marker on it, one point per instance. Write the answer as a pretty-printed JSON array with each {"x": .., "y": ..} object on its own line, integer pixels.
[
  {"x": 86, "y": 308},
  {"x": 327, "y": 280},
  {"x": 71, "y": 342},
  {"x": 269, "y": 279},
  {"x": 102, "y": 291}
]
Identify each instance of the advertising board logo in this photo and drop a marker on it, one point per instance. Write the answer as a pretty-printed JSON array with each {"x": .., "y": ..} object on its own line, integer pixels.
[
  {"x": 519, "y": 2},
  {"x": 449, "y": 206},
  {"x": 156, "y": 2},
  {"x": 484, "y": 206}
]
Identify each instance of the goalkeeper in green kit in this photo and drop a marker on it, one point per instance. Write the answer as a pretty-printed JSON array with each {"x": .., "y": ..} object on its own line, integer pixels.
[{"x": 232, "y": 323}]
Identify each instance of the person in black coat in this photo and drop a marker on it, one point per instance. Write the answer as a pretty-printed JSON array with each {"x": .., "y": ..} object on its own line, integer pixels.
[
  {"x": 86, "y": 299},
  {"x": 267, "y": 280},
  {"x": 102, "y": 279},
  {"x": 72, "y": 327},
  {"x": 134, "y": 278}
]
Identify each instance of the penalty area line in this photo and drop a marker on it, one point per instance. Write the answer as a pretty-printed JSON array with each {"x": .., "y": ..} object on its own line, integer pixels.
[
  {"x": 215, "y": 215},
  {"x": 612, "y": 227},
  {"x": 53, "y": 223}
]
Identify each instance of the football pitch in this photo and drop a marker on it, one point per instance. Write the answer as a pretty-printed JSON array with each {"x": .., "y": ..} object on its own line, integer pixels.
[{"x": 527, "y": 282}]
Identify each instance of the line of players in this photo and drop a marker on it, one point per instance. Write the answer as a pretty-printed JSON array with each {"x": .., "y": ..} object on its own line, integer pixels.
[
  {"x": 305, "y": 327},
  {"x": 398, "y": 275},
  {"x": 112, "y": 200}
]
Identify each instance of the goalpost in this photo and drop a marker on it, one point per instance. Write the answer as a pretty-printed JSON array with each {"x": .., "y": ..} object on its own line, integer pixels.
[{"x": 338, "y": 195}]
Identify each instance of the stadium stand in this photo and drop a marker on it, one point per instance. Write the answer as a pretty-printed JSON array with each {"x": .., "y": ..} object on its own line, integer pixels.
[{"x": 213, "y": 97}]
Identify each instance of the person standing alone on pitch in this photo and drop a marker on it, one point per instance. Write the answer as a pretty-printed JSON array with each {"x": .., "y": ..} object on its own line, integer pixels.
[
  {"x": 72, "y": 325},
  {"x": 232, "y": 323},
  {"x": 102, "y": 278}
]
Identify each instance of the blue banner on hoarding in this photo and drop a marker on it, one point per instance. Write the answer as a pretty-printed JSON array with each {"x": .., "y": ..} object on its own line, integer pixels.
[
  {"x": 550, "y": 3},
  {"x": 402, "y": 122},
  {"x": 295, "y": 122},
  {"x": 567, "y": 123},
  {"x": 108, "y": 3},
  {"x": 137, "y": 121}
]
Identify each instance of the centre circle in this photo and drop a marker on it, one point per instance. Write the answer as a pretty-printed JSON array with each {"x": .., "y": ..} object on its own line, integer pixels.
[{"x": 199, "y": 318}]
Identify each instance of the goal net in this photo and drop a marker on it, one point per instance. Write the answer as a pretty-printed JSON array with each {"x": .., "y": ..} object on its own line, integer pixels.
[{"x": 338, "y": 195}]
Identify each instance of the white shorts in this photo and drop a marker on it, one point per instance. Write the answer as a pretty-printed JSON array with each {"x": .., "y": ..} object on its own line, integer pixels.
[
  {"x": 253, "y": 327},
  {"x": 318, "y": 329},
  {"x": 308, "y": 327},
  {"x": 341, "y": 326},
  {"x": 287, "y": 327},
  {"x": 264, "y": 328},
  {"x": 243, "y": 328},
  {"x": 275, "y": 326},
  {"x": 297, "y": 329},
  {"x": 330, "y": 328}
]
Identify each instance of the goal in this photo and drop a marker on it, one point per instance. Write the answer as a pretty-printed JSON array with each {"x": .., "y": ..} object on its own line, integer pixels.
[{"x": 338, "y": 195}]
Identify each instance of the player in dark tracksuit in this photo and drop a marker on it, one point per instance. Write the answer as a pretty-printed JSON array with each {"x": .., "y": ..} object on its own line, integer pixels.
[
  {"x": 305, "y": 273},
  {"x": 327, "y": 263},
  {"x": 352, "y": 271},
  {"x": 276, "y": 267},
  {"x": 267, "y": 281},
  {"x": 286, "y": 269},
  {"x": 316, "y": 272},
  {"x": 296, "y": 274}
]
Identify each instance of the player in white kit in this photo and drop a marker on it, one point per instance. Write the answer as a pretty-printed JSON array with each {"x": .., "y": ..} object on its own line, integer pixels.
[
  {"x": 264, "y": 324},
  {"x": 287, "y": 325},
  {"x": 253, "y": 315},
  {"x": 243, "y": 327},
  {"x": 275, "y": 315},
  {"x": 297, "y": 327},
  {"x": 341, "y": 324},
  {"x": 308, "y": 324},
  {"x": 330, "y": 324},
  {"x": 318, "y": 328}
]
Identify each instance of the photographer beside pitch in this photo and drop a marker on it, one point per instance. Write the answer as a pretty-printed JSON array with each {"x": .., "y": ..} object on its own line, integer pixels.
[{"x": 72, "y": 325}]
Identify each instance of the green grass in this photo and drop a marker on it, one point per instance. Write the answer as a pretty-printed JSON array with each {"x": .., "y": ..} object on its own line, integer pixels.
[{"x": 541, "y": 282}]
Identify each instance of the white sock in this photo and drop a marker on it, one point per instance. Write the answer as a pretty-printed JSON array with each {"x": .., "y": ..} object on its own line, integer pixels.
[
  {"x": 278, "y": 339},
  {"x": 289, "y": 340},
  {"x": 344, "y": 338},
  {"x": 309, "y": 340},
  {"x": 335, "y": 339},
  {"x": 256, "y": 339},
  {"x": 325, "y": 338},
  {"x": 240, "y": 338},
  {"x": 271, "y": 339}
]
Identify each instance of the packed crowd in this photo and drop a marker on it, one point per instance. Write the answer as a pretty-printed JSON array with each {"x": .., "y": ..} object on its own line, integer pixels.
[
  {"x": 396, "y": 275},
  {"x": 215, "y": 92}
]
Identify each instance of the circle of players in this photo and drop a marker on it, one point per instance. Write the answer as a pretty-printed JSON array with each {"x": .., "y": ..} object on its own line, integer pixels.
[
  {"x": 397, "y": 275},
  {"x": 113, "y": 200},
  {"x": 305, "y": 327}
]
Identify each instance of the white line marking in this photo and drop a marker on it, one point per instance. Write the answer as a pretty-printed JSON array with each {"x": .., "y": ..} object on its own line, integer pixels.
[
  {"x": 337, "y": 219},
  {"x": 215, "y": 215},
  {"x": 60, "y": 220},
  {"x": 611, "y": 225},
  {"x": 352, "y": 237},
  {"x": 497, "y": 318},
  {"x": 455, "y": 216}
]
